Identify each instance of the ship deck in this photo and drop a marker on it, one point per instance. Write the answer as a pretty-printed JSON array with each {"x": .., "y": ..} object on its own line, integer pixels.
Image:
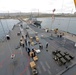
[{"x": 45, "y": 64}]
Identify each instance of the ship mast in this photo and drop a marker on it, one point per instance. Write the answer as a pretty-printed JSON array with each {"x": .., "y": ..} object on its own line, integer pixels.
[
  {"x": 53, "y": 17},
  {"x": 38, "y": 12}
]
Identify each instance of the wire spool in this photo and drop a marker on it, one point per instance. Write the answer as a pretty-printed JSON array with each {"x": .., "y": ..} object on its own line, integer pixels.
[
  {"x": 32, "y": 43},
  {"x": 37, "y": 39},
  {"x": 22, "y": 43}
]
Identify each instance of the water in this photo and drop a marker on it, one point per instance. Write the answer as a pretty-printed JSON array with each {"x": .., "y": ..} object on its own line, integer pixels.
[
  {"x": 63, "y": 23},
  {"x": 7, "y": 25}
]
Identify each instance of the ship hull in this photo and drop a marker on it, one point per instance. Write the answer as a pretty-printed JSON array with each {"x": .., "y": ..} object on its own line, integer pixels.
[{"x": 35, "y": 22}]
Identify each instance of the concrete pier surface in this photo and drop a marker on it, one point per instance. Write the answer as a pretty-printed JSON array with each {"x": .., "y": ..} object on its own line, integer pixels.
[
  {"x": 71, "y": 37},
  {"x": 20, "y": 64}
]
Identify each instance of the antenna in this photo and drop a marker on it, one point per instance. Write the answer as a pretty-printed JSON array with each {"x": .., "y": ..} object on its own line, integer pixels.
[
  {"x": 38, "y": 12},
  {"x": 59, "y": 23},
  {"x": 69, "y": 22},
  {"x": 53, "y": 18}
]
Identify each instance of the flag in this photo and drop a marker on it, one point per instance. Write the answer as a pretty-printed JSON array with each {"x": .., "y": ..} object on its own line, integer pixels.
[
  {"x": 75, "y": 3},
  {"x": 53, "y": 10}
]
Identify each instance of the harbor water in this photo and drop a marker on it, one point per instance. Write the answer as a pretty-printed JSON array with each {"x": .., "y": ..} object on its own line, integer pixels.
[
  {"x": 63, "y": 23},
  {"x": 6, "y": 25},
  {"x": 67, "y": 24}
]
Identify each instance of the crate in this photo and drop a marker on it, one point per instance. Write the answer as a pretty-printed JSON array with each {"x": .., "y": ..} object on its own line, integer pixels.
[
  {"x": 32, "y": 43},
  {"x": 32, "y": 65},
  {"x": 37, "y": 39},
  {"x": 35, "y": 58}
]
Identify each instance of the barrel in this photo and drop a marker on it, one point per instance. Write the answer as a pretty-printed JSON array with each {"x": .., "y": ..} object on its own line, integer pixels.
[{"x": 32, "y": 43}]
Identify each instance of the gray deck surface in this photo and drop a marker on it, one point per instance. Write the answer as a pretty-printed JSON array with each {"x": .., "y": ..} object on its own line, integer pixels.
[
  {"x": 71, "y": 71},
  {"x": 20, "y": 64}
]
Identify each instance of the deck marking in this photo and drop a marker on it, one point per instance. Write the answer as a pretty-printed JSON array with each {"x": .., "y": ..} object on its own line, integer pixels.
[
  {"x": 0, "y": 65},
  {"x": 42, "y": 66},
  {"x": 56, "y": 69},
  {"x": 39, "y": 69},
  {"x": 28, "y": 72},
  {"x": 49, "y": 72},
  {"x": 9, "y": 47},
  {"x": 3, "y": 61},
  {"x": 26, "y": 67},
  {"x": 21, "y": 52},
  {"x": 47, "y": 65}
]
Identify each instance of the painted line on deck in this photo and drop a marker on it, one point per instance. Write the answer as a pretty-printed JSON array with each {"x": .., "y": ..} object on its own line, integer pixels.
[
  {"x": 26, "y": 68},
  {"x": 28, "y": 61},
  {"x": 42, "y": 66},
  {"x": 3, "y": 61},
  {"x": 39, "y": 69},
  {"x": 47, "y": 64},
  {"x": 28, "y": 72},
  {"x": 21, "y": 51},
  {"x": 1, "y": 65},
  {"x": 49, "y": 72}
]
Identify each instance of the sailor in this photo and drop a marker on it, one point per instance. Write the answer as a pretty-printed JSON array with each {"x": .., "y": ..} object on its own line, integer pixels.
[
  {"x": 32, "y": 49},
  {"x": 34, "y": 53},
  {"x": 60, "y": 35},
  {"x": 21, "y": 25},
  {"x": 22, "y": 37},
  {"x": 47, "y": 45},
  {"x": 26, "y": 42},
  {"x": 8, "y": 37},
  {"x": 26, "y": 36},
  {"x": 12, "y": 56},
  {"x": 29, "y": 43},
  {"x": 40, "y": 46},
  {"x": 22, "y": 43},
  {"x": 28, "y": 51}
]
